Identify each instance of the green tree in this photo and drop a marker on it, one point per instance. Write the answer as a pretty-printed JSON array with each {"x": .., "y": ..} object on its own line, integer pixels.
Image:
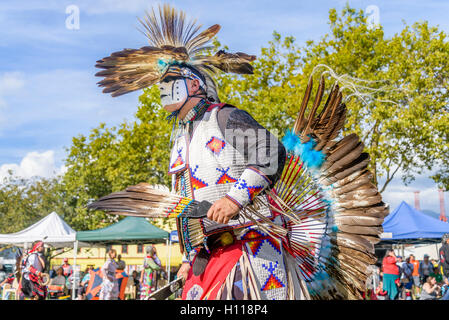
[{"x": 26, "y": 201}]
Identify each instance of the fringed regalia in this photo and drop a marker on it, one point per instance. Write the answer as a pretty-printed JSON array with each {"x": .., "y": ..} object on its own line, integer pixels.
[
  {"x": 147, "y": 285},
  {"x": 109, "y": 287},
  {"x": 309, "y": 213},
  {"x": 32, "y": 269}
]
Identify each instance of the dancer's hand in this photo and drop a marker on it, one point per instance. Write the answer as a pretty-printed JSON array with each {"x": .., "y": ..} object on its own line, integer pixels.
[
  {"x": 184, "y": 270},
  {"x": 222, "y": 210}
]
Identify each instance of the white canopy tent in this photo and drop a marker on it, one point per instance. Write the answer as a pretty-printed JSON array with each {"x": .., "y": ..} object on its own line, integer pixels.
[
  {"x": 53, "y": 230},
  {"x": 57, "y": 233}
]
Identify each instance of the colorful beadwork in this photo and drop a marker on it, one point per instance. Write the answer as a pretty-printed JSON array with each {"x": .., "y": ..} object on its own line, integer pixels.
[
  {"x": 251, "y": 190},
  {"x": 180, "y": 207},
  {"x": 215, "y": 145},
  {"x": 274, "y": 244},
  {"x": 272, "y": 282},
  {"x": 179, "y": 161},
  {"x": 224, "y": 178},
  {"x": 254, "y": 244},
  {"x": 197, "y": 183}
]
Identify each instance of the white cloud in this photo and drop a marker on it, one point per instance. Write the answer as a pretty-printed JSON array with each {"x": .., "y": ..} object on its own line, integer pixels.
[
  {"x": 10, "y": 83},
  {"x": 34, "y": 164}
]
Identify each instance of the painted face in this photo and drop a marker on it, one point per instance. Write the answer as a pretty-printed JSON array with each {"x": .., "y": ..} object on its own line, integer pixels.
[{"x": 172, "y": 91}]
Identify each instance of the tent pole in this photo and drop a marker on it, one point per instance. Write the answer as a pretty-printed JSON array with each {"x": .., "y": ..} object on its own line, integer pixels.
[
  {"x": 166, "y": 256},
  {"x": 75, "y": 250},
  {"x": 169, "y": 266}
]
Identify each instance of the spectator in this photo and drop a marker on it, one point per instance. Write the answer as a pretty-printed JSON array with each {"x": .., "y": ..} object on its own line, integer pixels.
[
  {"x": 7, "y": 284},
  {"x": 155, "y": 256},
  {"x": 425, "y": 269},
  {"x": 437, "y": 274},
  {"x": 8, "y": 280},
  {"x": 444, "y": 254},
  {"x": 109, "y": 287},
  {"x": 390, "y": 274},
  {"x": 59, "y": 279},
  {"x": 400, "y": 263},
  {"x": 445, "y": 289},
  {"x": 57, "y": 285},
  {"x": 84, "y": 284},
  {"x": 372, "y": 281},
  {"x": 136, "y": 284},
  {"x": 407, "y": 279},
  {"x": 430, "y": 289},
  {"x": 148, "y": 276},
  {"x": 121, "y": 264},
  {"x": 132, "y": 286},
  {"x": 67, "y": 268},
  {"x": 415, "y": 275},
  {"x": 381, "y": 294}
]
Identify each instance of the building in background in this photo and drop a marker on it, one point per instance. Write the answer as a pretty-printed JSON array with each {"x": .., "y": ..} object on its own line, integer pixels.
[{"x": 132, "y": 254}]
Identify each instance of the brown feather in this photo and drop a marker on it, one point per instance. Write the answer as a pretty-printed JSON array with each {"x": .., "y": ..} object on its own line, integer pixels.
[
  {"x": 297, "y": 127},
  {"x": 341, "y": 148},
  {"x": 359, "y": 221},
  {"x": 366, "y": 202},
  {"x": 364, "y": 191},
  {"x": 316, "y": 103},
  {"x": 359, "y": 164},
  {"x": 363, "y": 177},
  {"x": 371, "y": 238},
  {"x": 361, "y": 230},
  {"x": 353, "y": 241},
  {"x": 380, "y": 211},
  {"x": 346, "y": 159}
]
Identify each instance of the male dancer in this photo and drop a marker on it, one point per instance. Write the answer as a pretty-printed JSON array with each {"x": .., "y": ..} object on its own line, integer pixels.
[
  {"x": 33, "y": 266},
  {"x": 291, "y": 220}
]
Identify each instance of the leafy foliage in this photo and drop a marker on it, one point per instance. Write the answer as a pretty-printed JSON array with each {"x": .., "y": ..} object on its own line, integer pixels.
[{"x": 26, "y": 201}]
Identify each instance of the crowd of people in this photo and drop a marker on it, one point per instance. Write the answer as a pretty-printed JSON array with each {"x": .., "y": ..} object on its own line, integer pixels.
[
  {"x": 394, "y": 278},
  {"x": 397, "y": 278},
  {"x": 33, "y": 283}
]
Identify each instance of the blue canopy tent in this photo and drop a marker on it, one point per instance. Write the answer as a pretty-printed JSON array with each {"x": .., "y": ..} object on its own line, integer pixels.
[{"x": 408, "y": 225}]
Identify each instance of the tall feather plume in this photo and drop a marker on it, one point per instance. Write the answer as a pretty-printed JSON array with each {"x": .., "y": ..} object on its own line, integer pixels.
[
  {"x": 335, "y": 211},
  {"x": 145, "y": 200},
  {"x": 326, "y": 126},
  {"x": 172, "y": 40}
]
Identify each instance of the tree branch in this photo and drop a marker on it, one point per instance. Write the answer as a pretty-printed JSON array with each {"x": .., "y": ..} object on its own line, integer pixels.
[{"x": 389, "y": 178}]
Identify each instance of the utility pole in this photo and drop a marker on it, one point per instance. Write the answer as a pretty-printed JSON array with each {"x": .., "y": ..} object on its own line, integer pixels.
[
  {"x": 417, "y": 206},
  {"x": 442, "y": 212}
]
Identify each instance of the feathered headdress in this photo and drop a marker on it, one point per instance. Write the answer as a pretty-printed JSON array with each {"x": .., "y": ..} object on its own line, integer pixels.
[{"x": 175, "y": 44}]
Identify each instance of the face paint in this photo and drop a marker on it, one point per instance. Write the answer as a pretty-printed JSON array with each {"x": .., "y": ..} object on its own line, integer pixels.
[{"x": 172, "y": 92}]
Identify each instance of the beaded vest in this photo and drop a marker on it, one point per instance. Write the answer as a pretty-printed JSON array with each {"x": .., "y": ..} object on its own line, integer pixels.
[{"x": 205, "y": 167}]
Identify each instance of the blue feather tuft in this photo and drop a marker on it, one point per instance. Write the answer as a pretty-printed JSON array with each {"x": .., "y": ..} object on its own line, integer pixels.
[{"x": 312, "y": 158}]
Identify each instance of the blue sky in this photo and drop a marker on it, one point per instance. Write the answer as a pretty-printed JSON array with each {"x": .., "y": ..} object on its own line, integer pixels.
[{"x": 48, "y": 91}]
